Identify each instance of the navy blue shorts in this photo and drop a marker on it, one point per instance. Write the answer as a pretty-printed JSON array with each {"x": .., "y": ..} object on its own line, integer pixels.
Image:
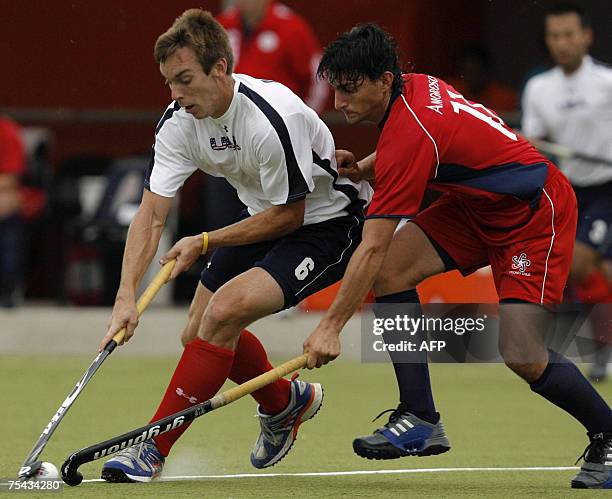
[
  {"x": 595, "y": 217},
  {"x": 302, "y": 263}
]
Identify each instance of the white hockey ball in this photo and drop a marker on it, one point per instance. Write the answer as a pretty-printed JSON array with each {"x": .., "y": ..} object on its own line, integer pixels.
[{"x": 47, "y": 471}]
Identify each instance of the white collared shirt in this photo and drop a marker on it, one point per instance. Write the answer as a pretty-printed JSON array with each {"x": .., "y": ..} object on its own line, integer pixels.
[{"x": 575, "y": 111}]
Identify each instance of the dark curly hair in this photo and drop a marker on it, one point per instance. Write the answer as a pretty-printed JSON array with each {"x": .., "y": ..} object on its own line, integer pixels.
[{"x": 364, "y": 51}]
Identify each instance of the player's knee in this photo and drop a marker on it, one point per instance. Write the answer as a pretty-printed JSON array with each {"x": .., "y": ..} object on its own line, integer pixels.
[
  {"x": 220, "y": 313},
  {"x": 530, "y": 371},
  {"x": 516, "y": 367},
  {"x": 227, "y": 311},
  {"x": 528, "y": 362},
  {"x": 220, "y": 324}
]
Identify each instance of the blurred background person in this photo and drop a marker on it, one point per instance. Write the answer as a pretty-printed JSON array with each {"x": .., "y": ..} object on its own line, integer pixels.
[
  {"x": 474, "y": 80},
  {"x": 12, "y": 167},
  {"x": 271, "y": 41},
  {"x": 571, "y": 104}
]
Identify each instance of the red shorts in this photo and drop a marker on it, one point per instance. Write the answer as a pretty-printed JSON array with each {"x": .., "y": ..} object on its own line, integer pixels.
[{"x": 529, "y": 263}]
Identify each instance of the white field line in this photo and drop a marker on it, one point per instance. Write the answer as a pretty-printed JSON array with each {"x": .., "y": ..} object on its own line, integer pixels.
[{"x": 364, "y": 472}]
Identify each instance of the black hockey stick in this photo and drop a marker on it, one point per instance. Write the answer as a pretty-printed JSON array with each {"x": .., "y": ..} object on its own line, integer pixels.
[
  {"x": 70, "y": 473},
  {"x": 31, "y": 465}
]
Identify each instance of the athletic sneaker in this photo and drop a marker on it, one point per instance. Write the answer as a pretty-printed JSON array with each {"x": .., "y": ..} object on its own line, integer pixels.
[
  {"x": 596, "y": 472},
  {"x": 403, "y": 435},
  {"x": 279, "y": 431},
  {"x": 140, "y": 463}
]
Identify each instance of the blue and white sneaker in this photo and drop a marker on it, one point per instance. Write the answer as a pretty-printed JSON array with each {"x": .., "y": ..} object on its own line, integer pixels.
[
  {"x": 140, "y": 463},
  {"x": 596, "y": 471},
  {"x": 404, "y": 435},
  {"x": 279, "y": 431}
]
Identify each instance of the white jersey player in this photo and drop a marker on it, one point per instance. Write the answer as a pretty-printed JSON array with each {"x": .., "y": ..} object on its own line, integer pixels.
[
  {"x": 571, "y": 104},
  {"x": 302, "y": 226},
  {"x": 269, "y": 145},
  {"x": 575, "y": 110}
]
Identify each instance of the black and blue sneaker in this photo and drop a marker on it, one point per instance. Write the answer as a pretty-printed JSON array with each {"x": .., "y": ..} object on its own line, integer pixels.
[
  {"x": 596, "y": 471},
  {"x": 279, "y": 431},
  {"x": 140, "y": 463},
  {"x": 403, "y": 435}
]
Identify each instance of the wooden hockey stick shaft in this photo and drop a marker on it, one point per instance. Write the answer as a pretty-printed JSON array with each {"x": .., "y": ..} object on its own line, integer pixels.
[
  {"x": 260, "y": 381},
  {"x": 148, "y": 294}
]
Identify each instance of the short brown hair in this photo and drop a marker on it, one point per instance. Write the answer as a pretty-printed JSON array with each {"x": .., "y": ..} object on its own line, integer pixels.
[{"x": 198, "y": 29}]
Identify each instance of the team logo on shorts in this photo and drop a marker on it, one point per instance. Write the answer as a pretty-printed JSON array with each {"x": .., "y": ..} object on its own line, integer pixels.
[{"x": 520, "y": 264}]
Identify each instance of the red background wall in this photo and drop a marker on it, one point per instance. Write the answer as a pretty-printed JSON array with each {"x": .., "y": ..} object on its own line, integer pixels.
[
  {"x": 99, "y": 54},
  {"x": 84, "y": 55},
  {"x": 70, "y": 58}
]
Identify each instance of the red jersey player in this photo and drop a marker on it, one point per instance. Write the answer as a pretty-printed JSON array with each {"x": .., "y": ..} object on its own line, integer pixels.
[
  {"x": 271, "y": 41},
  {"x": 503, "y": 204},
  {"x": 12, "y": 166}
]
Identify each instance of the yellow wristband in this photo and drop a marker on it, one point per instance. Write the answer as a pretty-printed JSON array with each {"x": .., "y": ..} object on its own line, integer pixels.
[{"x": 204, "y": 242}]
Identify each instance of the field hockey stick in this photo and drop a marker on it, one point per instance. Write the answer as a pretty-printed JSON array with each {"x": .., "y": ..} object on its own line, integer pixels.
[
  {"x": 31, "y": 465},
  {"x": 564, "y": 152},
  {"x": 70, "y": 473}
]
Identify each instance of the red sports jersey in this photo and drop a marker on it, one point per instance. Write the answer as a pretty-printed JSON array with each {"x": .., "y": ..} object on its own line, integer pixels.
[
  {"x": 12, "y": 154},
  {"x": 433, "y": 137},
  {"x": 283, "y": 48},
  {"x": 505, "y": 204}
]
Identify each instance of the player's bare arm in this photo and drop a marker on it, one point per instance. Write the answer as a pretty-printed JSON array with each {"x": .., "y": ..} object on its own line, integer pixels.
[
  {"x": 323, "y": 344},
  {"x": 273, "y": 223},
  {"x": 366, "y": 166},
  {"x": 140, "y": 248}
]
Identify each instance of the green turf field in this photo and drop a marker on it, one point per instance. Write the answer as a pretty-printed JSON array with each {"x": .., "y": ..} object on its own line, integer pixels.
[{"x": 492, "y": 418}]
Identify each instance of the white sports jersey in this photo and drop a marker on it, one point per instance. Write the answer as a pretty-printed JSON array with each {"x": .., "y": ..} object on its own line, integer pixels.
[
  {"x": 269, "y": 145},
  {"x": 575, "y": 111}
]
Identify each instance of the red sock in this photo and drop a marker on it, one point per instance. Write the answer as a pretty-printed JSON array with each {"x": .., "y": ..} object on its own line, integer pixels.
[
  {"x": 593, "y": 289},
  {"x": 250, "y": 361},
  {"x": 199, "y": 375}
]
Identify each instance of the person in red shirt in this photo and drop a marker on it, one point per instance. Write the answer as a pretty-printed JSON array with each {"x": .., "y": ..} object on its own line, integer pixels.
[
  {"x": 503, "y": 204},
  {"x": 271, "y": 41},
  {"x": 12, "y": 166}
]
